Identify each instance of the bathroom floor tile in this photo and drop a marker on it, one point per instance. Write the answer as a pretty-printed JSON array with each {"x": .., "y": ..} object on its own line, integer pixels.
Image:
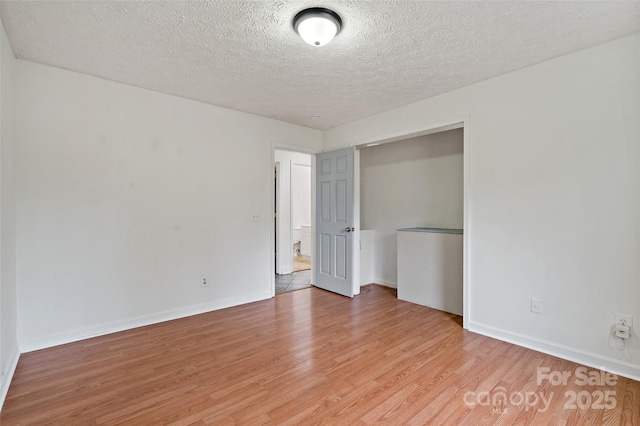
[{"x": 293, "y": 281}]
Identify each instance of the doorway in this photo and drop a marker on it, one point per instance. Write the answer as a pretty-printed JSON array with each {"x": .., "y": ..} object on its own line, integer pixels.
[
  {"x": 292, "y": 220},
  {"x": 440, "y": 204}
]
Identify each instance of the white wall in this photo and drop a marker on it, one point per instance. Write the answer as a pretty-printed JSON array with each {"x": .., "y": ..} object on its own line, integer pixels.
[
  {"x": 125, "y": 197},
  {"x": 553, "y": 198},
  {"x": 414, "y": 182},
  {"x": 288, "y": 213},
  {"x": 301, "y": 193},
  {"x": 8, "y": 312},
  {"x": 367, "y": 256}
]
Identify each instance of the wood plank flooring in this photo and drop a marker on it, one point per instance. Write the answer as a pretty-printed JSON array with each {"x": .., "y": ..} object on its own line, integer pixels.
[
  {"x": 308, "y": 357},
  {"x": 301, "y": 264}
]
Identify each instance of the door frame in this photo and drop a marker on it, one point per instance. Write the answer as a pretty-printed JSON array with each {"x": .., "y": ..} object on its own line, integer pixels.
[
  {"x": 459, "y": 122},
  {"x": 275, "y": 211},
  {"x": 272, "y": 225}
]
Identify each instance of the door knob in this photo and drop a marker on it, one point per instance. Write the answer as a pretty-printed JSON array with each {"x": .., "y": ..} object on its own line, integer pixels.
[{"x": 347, "y": 229}]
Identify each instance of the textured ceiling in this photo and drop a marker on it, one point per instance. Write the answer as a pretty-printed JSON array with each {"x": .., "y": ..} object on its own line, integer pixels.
[{"x": 245, "y": 55}]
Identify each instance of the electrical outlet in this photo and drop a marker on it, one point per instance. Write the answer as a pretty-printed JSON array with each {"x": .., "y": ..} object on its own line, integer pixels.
[
  {"x": 255, "y": 218},
  {"x": 622, "y": 331},
  {"x": 204, "y": 282},
  {"x": 623, "y": 320},
  {"x": 536, "y": 306}
]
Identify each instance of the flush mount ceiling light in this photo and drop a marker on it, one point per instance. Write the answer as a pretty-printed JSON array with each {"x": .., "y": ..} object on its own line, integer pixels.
[{"x": 317, "y": 25}]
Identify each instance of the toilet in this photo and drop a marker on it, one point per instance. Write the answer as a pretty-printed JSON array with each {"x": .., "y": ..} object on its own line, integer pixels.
[{"x": 296, "y": 248}]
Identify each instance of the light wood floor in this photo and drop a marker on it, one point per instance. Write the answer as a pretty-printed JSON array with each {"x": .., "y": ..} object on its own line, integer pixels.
[
  {"x": 303, "y": 357},
  {"x": 301, "y": 264}
]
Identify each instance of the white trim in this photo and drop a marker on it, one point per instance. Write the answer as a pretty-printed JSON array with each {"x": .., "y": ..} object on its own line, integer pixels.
[
  {"x": 297, "y": 163},
  {"x": 386, "y": 283},
  {"x": 312, "y": 252},
  {"x": 355, "y": 247},
  {"x": 6, "y": 379},
  {"x": 293, "y": 148},
  {"x": 589, "y": 359},
  {"x": 276, "y": 197},
  {"x": 116, "y": 326},
  {"x": 466, "y": 226},
  {"x": 408, "y": 134}
]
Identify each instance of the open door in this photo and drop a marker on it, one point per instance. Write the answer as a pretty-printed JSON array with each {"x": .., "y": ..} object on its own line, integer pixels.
[{"x": 335, "y": 221}]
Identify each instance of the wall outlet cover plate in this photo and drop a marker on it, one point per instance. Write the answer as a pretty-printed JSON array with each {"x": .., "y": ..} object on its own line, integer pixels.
[
  {"x": 623, "y": 319},
  {"x": 622, "y": 331}
]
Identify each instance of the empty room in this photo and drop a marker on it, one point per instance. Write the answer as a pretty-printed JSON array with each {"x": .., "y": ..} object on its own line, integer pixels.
[{"x": 467, "y": 247}]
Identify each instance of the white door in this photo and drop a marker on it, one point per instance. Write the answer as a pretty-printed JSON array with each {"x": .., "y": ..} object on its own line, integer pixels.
[{"x": 335, "y": 221}]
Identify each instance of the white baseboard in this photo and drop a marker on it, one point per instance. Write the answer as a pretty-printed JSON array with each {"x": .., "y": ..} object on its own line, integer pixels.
[
  {"x": 383, "y": 283},
  {"x": 386, "y": 283},
  {"x": 612, "y": 365},
  {"x": 114, "y": 327},
  {"x": 6, "y": 379}
]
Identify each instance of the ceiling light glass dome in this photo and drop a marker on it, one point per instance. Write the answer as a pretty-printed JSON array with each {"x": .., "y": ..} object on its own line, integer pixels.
[{"x": 317, "y": 26}]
